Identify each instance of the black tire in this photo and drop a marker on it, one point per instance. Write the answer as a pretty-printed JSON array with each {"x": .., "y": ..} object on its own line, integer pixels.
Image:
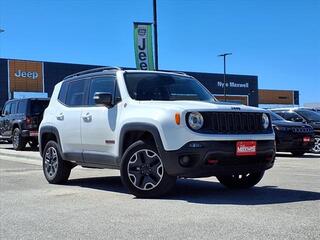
[
  {"x": 55, "y": 169},
  {"x": 298, "y": 153},
  {"x": 143, "y": 172},
  {"x": 18, "y": 142},
  {"x": 33, "y": 144},
  {"x": 241, "y": 181}
]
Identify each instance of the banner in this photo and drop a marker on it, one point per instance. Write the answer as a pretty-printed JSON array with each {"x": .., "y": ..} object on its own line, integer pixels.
[{"x": 143, "y": 46}]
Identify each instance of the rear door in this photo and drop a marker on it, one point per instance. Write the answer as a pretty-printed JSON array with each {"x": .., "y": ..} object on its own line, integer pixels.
[
  {"x": 98, "y": 123},
  {"x": 72, "y": 98}
]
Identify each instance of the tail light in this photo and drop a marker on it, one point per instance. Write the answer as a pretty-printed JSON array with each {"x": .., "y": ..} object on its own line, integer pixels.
[{"x": 28, "y": 120}]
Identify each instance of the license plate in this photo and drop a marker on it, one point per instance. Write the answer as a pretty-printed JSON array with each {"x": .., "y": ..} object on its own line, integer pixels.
[
  {"x": 306, "y": 139},
  {"x": 246, "y": 148},
  {"x": 33, "y": 134}
]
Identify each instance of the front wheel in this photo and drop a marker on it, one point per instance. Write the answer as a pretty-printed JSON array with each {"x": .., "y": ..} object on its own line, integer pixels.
[
  {"x": 143, "y": 172},
  {"x": 316, "y": 148},
  {"x": 239, "y": 181}
]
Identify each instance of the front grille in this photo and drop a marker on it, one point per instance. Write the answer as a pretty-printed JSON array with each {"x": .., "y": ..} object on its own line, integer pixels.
[
  {"x": 301, "y": 130},
  {"x": 232, "y": 123}
]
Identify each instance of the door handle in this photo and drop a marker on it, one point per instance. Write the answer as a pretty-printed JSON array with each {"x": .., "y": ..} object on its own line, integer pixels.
[
  {"x": 87, "y": 117},
  {"x": 60, "y": 116}
]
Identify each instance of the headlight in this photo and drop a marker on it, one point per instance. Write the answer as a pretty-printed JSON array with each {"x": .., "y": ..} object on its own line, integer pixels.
[
  {"x": 280, "y": 128},
  {"x": 195, "y": 120},
  {"x": 265, "y": 121}
]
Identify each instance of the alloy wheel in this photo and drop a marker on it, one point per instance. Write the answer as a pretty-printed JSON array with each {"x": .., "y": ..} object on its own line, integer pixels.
[
  {"x": 316, "y": 147},
  {"x": 51, "y": 162},
  {"x": 16, "y": 138},
  {"x": 145, "y": 169}
]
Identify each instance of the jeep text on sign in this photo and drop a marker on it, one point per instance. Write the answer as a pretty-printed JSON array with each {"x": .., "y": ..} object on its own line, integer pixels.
[
  {"x": 143, "y": 46},
  {"x": 25, "y": 76}
]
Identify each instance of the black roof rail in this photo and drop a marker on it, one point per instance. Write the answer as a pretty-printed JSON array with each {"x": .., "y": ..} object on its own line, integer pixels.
[
  {"x": 182, "y": 73},
  {"x": 93, "y": 70}
]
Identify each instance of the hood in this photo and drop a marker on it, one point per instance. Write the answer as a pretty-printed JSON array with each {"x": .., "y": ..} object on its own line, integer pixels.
[
  {"x": 284, "y": 123},
  {"x": 201, "y": 106}
]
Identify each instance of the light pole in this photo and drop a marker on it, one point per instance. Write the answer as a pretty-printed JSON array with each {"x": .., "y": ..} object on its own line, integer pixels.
[
  {"x": 224, "y": 73},
  {"x": 155, "y": 28}
]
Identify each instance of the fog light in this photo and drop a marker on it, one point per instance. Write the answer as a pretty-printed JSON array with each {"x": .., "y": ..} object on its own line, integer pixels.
[{"x": 185, "y": 161}]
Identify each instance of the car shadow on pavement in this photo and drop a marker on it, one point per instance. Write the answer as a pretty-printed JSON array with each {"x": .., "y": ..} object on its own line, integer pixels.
[
  {"x": 207, "y": 192},
  {"x": 112, "y": 183},
  {"x": 26, "y": 149},
  {"x": 306, "y": 155}
]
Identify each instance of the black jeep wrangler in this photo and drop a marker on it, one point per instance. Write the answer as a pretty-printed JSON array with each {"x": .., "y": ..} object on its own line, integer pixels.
[{"x": 20, "y": 120}]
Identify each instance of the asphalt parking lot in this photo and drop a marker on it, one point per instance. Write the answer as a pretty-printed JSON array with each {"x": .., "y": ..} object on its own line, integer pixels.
[{"x": 95, "y": 205}]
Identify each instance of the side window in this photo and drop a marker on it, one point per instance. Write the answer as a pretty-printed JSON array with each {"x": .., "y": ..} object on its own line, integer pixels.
[
  {"x": 6, "y": 110},
  {"x": 63, "y": 92},
  {"x": 13, "y": 109},
  {"x": 22, "y": 107},
  {"x": 76, "y": 93},
  {"x": 103, "y": 84}
]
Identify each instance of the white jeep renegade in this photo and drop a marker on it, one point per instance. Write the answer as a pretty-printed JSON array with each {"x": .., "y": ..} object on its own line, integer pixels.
[{"x": 154, "y": 127}]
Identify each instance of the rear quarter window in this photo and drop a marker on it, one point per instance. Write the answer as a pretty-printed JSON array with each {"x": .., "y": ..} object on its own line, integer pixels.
[
  {"x": 22, "y": 107},
  {"x": 63, "y": 92}
]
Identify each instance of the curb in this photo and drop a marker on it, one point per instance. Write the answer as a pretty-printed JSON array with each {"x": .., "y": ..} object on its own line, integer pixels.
[{"x": 21, "y": 155}]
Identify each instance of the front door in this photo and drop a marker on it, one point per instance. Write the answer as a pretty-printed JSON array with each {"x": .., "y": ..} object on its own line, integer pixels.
[
  {"x": 4, "y": 120},
  {"x": 98, "y": 124}
]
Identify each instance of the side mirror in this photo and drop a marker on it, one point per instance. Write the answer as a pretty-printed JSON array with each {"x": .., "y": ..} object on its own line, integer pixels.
[{"x": 103, "y": 98}]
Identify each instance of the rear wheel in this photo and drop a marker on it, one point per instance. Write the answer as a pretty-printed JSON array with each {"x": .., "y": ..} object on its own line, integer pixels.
[
  {"x": 239, "y": 181},
  {"x": 55, "y": 169},
  {"x": 18, "y": 142},
  {"x": 143, "y": 172}
]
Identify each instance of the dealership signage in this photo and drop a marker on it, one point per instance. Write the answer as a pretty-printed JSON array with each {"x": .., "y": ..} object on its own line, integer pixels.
[
  {"x": 143, "y": 46},
  {"x": 231, "y": 84},
  {"x": 25, "y": 76}
]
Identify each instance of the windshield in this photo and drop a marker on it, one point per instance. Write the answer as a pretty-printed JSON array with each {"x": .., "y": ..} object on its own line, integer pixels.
[
  {"x": 165, "y": 87},
  {"x": 310, "y": 115},
  {"x": 275, "y": 117}
]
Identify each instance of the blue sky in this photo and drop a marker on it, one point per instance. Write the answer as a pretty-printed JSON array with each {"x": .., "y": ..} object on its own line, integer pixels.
[{"x": 277, "y": 40}]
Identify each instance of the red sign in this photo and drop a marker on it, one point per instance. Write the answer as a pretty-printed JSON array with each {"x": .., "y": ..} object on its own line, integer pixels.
[{"x": 246, "y": 148}]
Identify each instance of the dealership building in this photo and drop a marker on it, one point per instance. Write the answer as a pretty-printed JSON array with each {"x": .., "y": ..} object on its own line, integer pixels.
[{"x": 24, "y": 78}]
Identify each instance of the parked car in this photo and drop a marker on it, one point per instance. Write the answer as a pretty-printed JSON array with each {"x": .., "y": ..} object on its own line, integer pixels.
[
  {"x": 20, "y": 120},
  {"x": 303, "y": 115},
  {"x": 153, "y": 127},
  {"x": 294, "y": 137}
]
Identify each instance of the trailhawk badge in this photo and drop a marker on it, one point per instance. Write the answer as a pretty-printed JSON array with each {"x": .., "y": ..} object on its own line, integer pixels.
[{"x": 246, "y": 148}]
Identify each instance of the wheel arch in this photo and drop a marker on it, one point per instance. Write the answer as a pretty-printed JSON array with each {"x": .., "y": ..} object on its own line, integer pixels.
[
  {"x": 46, "y": 134},
  {"x": 132, "y": 132}
]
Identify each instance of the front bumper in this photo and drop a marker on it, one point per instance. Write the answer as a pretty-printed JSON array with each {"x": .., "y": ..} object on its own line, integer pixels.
[
  {"x": 293, "y": 142},
  {"x": 217, "y": 158}
]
